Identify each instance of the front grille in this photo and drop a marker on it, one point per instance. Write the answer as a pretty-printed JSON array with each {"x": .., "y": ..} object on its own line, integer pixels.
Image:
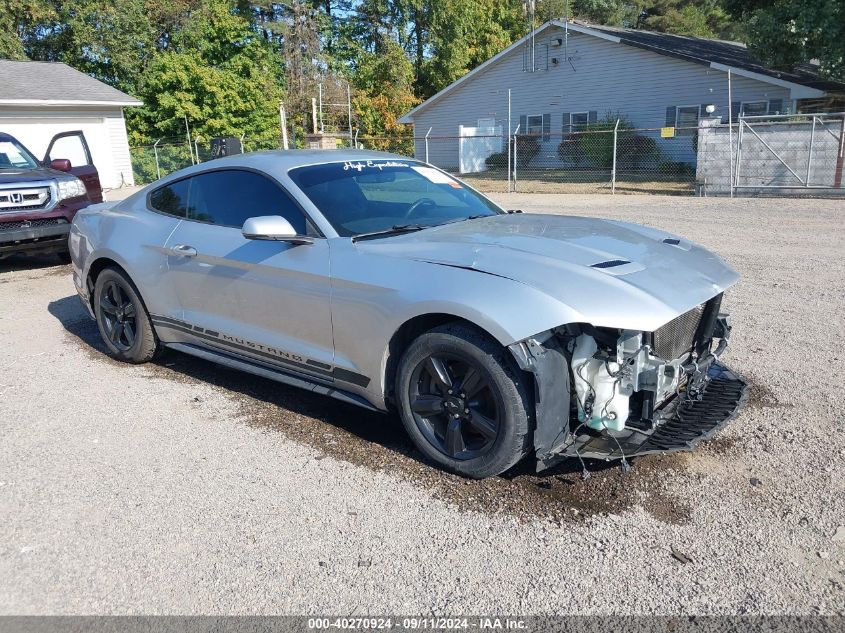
[
  {"x": 6, "y": 227},
  {"x": 30, "y": 199},
  {"x": 677, "y": 337}
]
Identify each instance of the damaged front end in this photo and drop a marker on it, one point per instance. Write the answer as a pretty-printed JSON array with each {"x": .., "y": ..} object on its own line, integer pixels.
[{"x": 616, "y": 394}]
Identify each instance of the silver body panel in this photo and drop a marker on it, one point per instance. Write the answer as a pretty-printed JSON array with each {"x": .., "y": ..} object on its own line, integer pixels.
[{"x": 329, "y": 309}]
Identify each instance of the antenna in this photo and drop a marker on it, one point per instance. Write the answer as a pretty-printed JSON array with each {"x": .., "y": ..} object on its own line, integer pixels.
[
  {"x": 566, "y": 30},
  {"x": 529, "y": 8}
]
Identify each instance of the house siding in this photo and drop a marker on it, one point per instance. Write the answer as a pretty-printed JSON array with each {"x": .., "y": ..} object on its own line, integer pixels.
[{"x": 607, "y": 78}]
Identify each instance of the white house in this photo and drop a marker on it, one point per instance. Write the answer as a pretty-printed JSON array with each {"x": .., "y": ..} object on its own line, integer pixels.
[
  {"x": 41, "y": 99},
  {"x": 565, "y": 75}
]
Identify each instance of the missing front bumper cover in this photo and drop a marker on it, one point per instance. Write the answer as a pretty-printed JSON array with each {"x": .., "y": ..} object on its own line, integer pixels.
[{"x": 686, "y": 423}]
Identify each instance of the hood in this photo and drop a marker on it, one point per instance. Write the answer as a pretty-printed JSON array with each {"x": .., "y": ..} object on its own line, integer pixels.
[
  {"x": 15, "y": 176},
  {"x": 609, "y": 273}
]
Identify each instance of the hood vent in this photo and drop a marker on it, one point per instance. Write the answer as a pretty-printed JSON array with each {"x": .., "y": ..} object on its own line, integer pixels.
[
  {"x": 611, "y": 263},
  {"x": 671, "y": 240}
]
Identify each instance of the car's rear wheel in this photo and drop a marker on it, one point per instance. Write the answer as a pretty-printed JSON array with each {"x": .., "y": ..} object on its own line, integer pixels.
[
  {"x": 122, "y": 318},
  {"x": 464, "y": 402}
]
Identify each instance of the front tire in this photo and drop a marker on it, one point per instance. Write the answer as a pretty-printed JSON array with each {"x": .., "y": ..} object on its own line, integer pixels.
[
  {"x": 464, "y": 402},
  {"x": 122, "y": 318}
]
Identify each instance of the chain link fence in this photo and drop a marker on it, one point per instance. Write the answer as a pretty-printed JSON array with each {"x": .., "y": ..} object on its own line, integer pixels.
[{"x": 754, "y": 156}]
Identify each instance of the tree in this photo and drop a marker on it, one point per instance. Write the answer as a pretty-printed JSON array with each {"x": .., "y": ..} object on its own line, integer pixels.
[
  {"x": 784, "y": 33},
  {"x": 112, "y": 40},
  {"x": 699, "y": 18},
  {"x": 384, "y": 92},
  {"x": 18, "y": 18},
  {"x": 219, "y": 74}
]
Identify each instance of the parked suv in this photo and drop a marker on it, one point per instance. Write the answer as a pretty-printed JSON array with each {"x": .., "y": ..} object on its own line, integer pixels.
[{"x": 38, "y": 198}]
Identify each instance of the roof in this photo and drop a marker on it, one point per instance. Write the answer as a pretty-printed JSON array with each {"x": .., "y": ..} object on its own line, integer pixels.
[
  {"x": 733, "y": 54},
  {"x": 804, "y": 80},
  {"x": 54, "y": 83}
]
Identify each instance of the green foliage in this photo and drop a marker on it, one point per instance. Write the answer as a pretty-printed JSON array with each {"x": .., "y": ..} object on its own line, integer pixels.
[
  {"x": 784, "y": 33},
  {"x": 384, "y": 92},
  {"x": 699, "y": 18},
  {"x": 18, "y": 19},
  {"x": 592, "y": 147},
  {"x": 218, "y": 74}
]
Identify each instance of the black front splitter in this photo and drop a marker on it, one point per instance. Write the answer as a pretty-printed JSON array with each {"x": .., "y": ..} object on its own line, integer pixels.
[{"x": 691, "y": 422}]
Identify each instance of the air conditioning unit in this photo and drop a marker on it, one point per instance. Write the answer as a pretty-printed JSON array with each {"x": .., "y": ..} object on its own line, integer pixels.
[{"x": 557, "y": 41}]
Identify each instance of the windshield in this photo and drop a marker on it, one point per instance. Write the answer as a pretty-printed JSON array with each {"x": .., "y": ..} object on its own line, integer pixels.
[
  {"x": 368, "y": 196},
  {"x": 13, "y": 155}
]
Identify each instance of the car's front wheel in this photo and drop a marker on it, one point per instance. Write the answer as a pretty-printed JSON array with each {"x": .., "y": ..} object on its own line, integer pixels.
[
  {"x": 464, "y": 402},
  {"x": 122, "y": 318}
]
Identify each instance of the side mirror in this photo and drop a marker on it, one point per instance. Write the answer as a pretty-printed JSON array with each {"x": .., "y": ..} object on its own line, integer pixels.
[
  {"x": 61, "y": 164},
  {"x": 273, "y": 228}
]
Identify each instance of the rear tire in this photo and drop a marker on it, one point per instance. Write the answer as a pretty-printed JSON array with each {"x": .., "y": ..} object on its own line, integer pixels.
[
  {"x": 123, "y": 319},
  {"x": 464, "y": 402}
]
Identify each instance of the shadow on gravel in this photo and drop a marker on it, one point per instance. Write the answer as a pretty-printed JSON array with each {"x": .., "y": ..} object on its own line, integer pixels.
[
  {"x": 17, "y": 263},
  {"x": 379, "y": 442}
]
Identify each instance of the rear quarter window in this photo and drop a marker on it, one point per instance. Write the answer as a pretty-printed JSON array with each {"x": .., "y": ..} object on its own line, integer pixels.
[{"x": 172, "y": 199}]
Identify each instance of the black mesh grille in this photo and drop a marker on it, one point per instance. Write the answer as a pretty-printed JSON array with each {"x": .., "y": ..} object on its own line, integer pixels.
[
  {"x": 677, "y": 337},
  {"x": 29, "y": 224}
]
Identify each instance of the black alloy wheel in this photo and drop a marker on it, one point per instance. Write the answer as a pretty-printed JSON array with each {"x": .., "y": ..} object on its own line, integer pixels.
[
  {"x": 454, "y": 407},
  {"x": 122, "y": 318},
  {"x": 119, "y": 314}
]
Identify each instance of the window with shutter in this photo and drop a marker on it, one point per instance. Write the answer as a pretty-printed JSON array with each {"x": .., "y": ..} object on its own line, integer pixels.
[
  {"x": 579, "y": 120},
  {"x": 686, "y": 120},
  {"x": 534, "y": 124}
]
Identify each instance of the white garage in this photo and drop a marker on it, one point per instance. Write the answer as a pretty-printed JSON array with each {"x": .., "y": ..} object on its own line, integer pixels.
[{"x": 40, "y": 99}]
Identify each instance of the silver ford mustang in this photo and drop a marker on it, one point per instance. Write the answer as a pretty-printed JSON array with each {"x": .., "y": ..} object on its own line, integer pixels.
[{"x": 385, "y": 282}]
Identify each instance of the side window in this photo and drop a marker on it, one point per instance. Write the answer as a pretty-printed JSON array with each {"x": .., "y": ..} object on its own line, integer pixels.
[
  {"x": 230, "y": 197},
  {"x": 686, "y": 120},
  {"x": 579, "y": 120},
  {"x": 71, "y": 147},
  {"x": 172, "y": 199}
]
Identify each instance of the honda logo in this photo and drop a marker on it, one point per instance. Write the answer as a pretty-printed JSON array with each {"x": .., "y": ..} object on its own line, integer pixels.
[{"x": 15, "y": 197}]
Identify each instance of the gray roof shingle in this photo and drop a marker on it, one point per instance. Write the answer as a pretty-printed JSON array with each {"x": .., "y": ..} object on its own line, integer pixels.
[
  {"x": 734, "y": 54},
  {"x": 53, "y": 81}
]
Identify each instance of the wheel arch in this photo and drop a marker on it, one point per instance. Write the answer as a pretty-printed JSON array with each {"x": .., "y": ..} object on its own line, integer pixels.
[
  {"x": 98, "y": 266},
  {"x": 406, "y": 333}
]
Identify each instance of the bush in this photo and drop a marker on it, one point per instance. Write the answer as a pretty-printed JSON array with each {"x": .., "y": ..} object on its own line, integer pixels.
[
  {"x": 499, "y": 160},
  {"x": 592, "y": 148},
  {"x": 678, "y": 169},
  {"x": 526, "y": 147}
]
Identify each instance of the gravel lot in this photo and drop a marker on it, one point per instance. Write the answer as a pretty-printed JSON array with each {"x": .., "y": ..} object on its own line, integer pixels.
[{"x": 181, "y": 487}]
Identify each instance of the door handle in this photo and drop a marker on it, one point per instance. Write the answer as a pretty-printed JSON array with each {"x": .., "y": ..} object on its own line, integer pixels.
[{"x": 183, "y": 250}]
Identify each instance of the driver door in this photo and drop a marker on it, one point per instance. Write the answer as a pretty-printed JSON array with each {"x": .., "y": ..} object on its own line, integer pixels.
[
  {"x": 265, "y": 300},
  {"x": 73, "y": 147}
]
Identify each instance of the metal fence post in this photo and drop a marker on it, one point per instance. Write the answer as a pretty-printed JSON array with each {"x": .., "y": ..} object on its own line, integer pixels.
[
  {"x": 426, "y": 144},
  {"x": 197, "y": 150},
  {"x": 613, "y": 169},
  {"x": 738, "y": 151},
  {"x": 810, "y": 152},
  {"x": 155, "y": 150}
]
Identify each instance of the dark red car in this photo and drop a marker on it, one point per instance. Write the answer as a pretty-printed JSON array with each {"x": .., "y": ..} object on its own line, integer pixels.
[{"x": 38, "y": 198}]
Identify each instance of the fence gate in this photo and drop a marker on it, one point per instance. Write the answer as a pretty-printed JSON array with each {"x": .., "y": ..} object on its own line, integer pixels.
[
  {"x": 476, "y": 145},
  {"x": 803, "y": 151}
]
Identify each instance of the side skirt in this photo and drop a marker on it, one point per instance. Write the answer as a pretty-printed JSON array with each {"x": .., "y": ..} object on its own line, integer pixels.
[{"x": 273, "y": 374}]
